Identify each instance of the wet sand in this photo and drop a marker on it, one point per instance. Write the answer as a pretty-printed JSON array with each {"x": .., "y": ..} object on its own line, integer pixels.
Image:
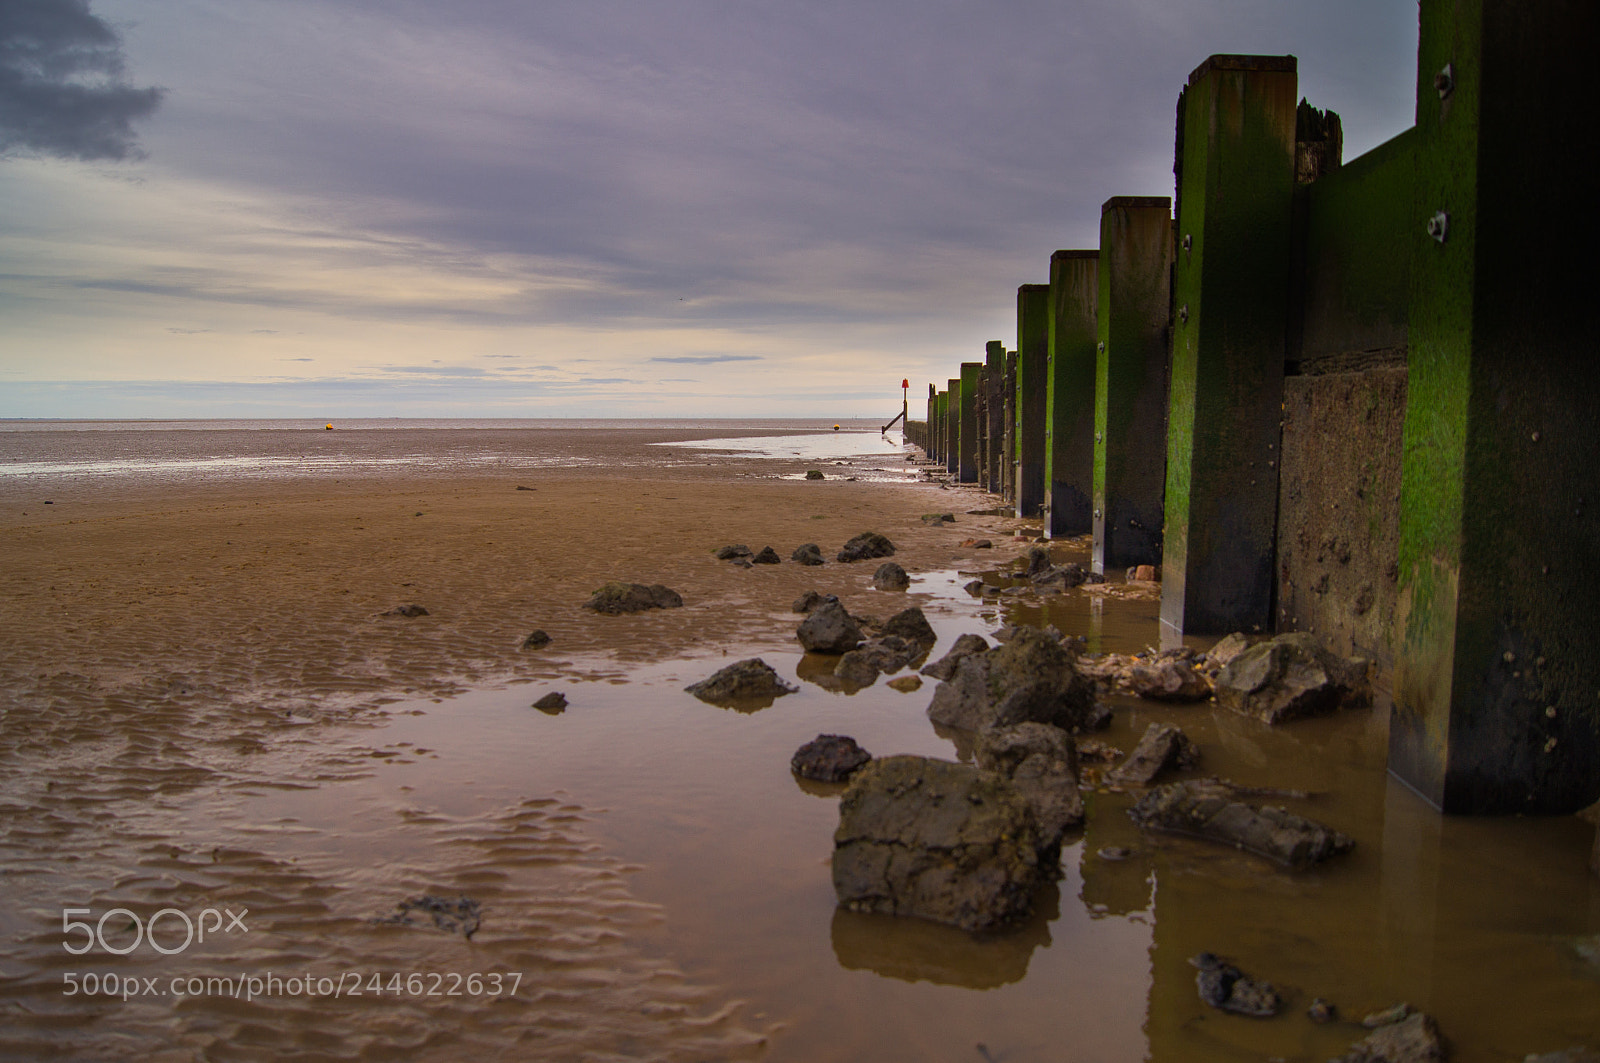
[{"x": 205, "y": 707}]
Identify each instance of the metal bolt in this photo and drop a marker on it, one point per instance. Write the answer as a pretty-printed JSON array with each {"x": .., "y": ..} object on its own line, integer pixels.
[
  {"x": 1445, "y": 81},
  {"x": 1439, "y": 226},
  {"x": 1101, "y": 348},
  {"x": 1188, "y": 242},
  {"x": 1183, "y": 313},
  {"x": 1550, "y": 711},
  {"x": 1549, "y": 744}
]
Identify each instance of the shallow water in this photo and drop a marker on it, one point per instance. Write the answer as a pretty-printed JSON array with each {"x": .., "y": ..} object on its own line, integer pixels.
[{"x": 660, "y": 882}]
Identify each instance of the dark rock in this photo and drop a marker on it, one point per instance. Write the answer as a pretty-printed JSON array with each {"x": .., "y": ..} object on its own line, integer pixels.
[
  {"x": 1322, "y": 1011},
  {"x": 982, "y": 544},
  {"x": 1413, "y": 1040},
  {"x": 552, "y": 703},
  {"x": 807, "y": 554},
  {"x": 1098, "y": 718},
  {"x": 857, "y": 668},
  {"x": 1114, "y": 854},
  {"x": 767, "y": 556},
  {"x": 938, "y": 518},
  {"x": 1204, "y": 808},
  {"x": 1062, "y": 577},
  {"x": 888, "y": 653},
  {"x": 458, "y": 916},
  {"x": 407, "y": 610},
  {"x": 617, "y": 597},
  {"x": 1097, "y": 751},
  {"x": 945, "y": 842},
  {"x": 536, "y": 640},
  {"x": 746, "y": 680},
  {"x": 1168, "y": 680},
  {"x": 809, "y": 601},
  {"x": 1042, "y": 763},
  {"x": 1387, "y": 1017},
  {"x": 911, "y": 625},
  {"x": 521, "y": 488},
  {"x": 1162, "y": 747},
  {"x": 973, "y": 587},
  {"x": 965, "y": 646},
  {"x": 1030, "y": 678},
  {"x": 733, "y": 553},
  {"x": 866, "y": 546},
  {"x": 890, "y": 577},
  {"x": 829, "y": 629},
  {"x": 829, "y": 758},
  {"x": 1222, "y": 985},
  {"x": 1291, "y": 676},
  {"x": 815, "y": 474},
  {"x": 1036, "y": 561}
]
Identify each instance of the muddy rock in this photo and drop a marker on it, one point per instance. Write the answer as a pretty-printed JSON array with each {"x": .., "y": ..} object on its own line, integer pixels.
[
  {"x": 906, "y": 684},
  {"x": 1204, "y": 808},
  {"x": 856, "y": 669},
  {"x": 912, "y": 625},
  {"x": 887, "y": 654},
  {"x": 1061, "y": 577},
  {"x": 734, "y": 552},
  {"x": 1030, "y": 678},
  {"x": 1168, "y": 681},
  {"x": 552, "y": 704},
  {"x": 807, "y": 554},
  {"x": 1291, "y": 676},
  {"x": 767, "y": 556},
  {"x": 866, "y": 546},
  {"x": 829, "y": 758},
  {"x": 617, "y": 597},
  {"x": 459, "y": 915},
  {"x": 965, "y": 646},
  {"x": 536, "y": 640},
  {"x": 1042, "y": 763},
  {"x": 946, "y": 842},
  {"x": 1224, "y": 986},
  {"x": 1413, "y": 1040},
  {"x": 890, "y": 577},
  {"x": 746, "y": 680},
  {"x": 1162, "y": 748},
  {"x": 809, "y": 601},
  {"x": 815, "y": 474},
  {"x": 407, "y": 611},
  {"x": 829, "y": 629}
]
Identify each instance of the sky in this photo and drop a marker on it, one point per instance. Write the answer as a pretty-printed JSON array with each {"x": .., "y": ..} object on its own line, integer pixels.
[{"x": 503, "y": 208}]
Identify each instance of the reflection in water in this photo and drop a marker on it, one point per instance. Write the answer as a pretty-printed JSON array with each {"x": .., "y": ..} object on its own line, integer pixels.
[{"x": 915, "y": 950}]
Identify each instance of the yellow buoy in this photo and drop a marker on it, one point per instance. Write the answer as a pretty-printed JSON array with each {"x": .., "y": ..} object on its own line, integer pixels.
[
  {"x": 835, "y": 428},
  {"x": 328, "y": 426}
]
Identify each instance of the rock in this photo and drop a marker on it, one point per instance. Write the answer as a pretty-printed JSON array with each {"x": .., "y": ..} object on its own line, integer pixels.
[
  {"x": 458, "y": 916},
  {"x": 521, "y": 488},
  {"x": 911, "y": 625},
  {"x": 890, "y": 577},
  {"x": 973, "y": 587},
  {"x": 906, "y": 684},
  {"x": 1097, "y": 751},
  {"x": 407, "y": 610},
  {"x": 982, "y": 544},
  {"x": 809, "y": 601},
  {"x": 857, "y": 668},
  {"x": 1291, "y": 676},
  {"x": 552, "y": 703},
  {"x": 965, "y": 646},
  {"x": 1162, "y": 747},
  {"x": 815, "y": 474},
  {"x": 888, "y": 653},
  {"x": 617, "y": 597},
  {"x": 1062, "y": 577},
  {"x": 1224, "y": 986},
  {"x": 829, "y": 758},
  {"x": 767, "y": 556},
  {"x": 1322, "y": 1011},
  {"x": 1142, "y": 574},
  {"x": 1113, "y": 854},
  {"x": 946, "y": 842},
  {"x": 1204, "y": 809},
  {"x": 829, "y": 629},
  {"x": 1415, "y": 1040},
  {"x": 938, "y": 518},
  {"x": 733, "y": 553},
  {"x": 1036, "y": 561},
  {"x": 807, "y": 554},
  {"x": 1030, "y": 678},
  {"x": 1227, "y": 649},
  {"x": 536, "y": 640},
  {"x": 1387, "y": 1017},
  {"x": 746, "y": 680},
  {"x": 1168, "y": 681},
  {"x": 866, "y": 546},
  {"x": 1042, "y": 763}
]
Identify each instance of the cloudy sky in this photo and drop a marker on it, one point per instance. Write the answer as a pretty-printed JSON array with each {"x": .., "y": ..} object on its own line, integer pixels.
[{"x": 599, "y": 207}]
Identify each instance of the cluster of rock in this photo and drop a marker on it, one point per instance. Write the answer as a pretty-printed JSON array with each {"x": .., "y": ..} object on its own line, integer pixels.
[
  {"x": 862, "y": 547},
  {"x": 828, "y": 628}
]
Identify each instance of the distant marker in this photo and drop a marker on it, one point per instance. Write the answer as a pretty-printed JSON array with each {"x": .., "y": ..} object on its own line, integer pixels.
[
  {"x": 328, "y": 426},
  {"x": 835, "y": 428}
]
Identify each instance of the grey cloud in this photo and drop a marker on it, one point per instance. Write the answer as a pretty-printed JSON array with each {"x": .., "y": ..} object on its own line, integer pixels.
[
  {"x": 707, "y": 359},
  {"x": 62, "y": 87},
  {"x": 189, "y": 331}
]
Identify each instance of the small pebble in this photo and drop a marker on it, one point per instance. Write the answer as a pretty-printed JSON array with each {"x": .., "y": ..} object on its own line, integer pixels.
[
  {"x": 1114, "y": 853},
  {"x": 1322, "y": 1011}
]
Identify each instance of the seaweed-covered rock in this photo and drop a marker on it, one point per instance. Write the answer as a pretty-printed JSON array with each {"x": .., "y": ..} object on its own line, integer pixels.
[
  {"x": 1163, "y": 747},
  {"x": 829, "y": 758},
  {"x": 866, "y": 546},
  {"x": 815, "y": 474},
  {"x": 829, "y": 629},
  {"x": 1412, "y": 1040},
  {"x": 946, "y": 842},
  {"x": 965, "y": 646},
  {"x": 617, "y": 597},
  {"x": 1291, "y": 676},
  {"x": 890, "y": 577},
  {"x": 807, "y": 554},
  {"x": 1204, "y": 808},
  {"x": 1224, "y": 986},
  {"x": 1030, "y": 678},
  {"x": 1042, "y": 763},
  {"x": 748, "y": 680},
  {"x": 1168, "y": 680}
]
